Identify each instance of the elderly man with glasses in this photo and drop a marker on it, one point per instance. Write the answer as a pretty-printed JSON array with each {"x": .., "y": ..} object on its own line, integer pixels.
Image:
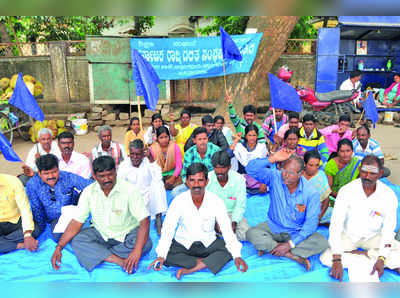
[{"x": 292, "y": 221}]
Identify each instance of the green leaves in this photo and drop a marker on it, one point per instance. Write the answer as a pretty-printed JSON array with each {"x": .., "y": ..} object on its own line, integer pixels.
[{"x": 231, "y": 24}]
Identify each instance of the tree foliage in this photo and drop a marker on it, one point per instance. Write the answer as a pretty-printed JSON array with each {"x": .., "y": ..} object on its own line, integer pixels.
[
  {"x": 231, "y": 24},
  {"x": 304, "y": 28},
  {"x": 52, "y": 28}
]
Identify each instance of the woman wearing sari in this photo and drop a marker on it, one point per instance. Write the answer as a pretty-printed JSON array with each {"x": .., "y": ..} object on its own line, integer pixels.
[
  {"x": 168, "y": 156},
  {"x": 249, "y": 150},
  {"x": 156, "y": 122},
  {"x": 319, "y": 182},
  {"x": 290, "y": 146},
  {"x": 183, "y": 130},
  {"x": 391, "y": 96},
  {"x": 343, "y": 168}
]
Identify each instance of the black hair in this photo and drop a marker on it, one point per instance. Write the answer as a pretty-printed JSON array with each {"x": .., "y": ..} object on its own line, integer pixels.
[
  {"x": 293, "y": 114},
  {"x": 207, "y": 119},
  {"x": 195, "y": 168},
  {"x": 162, "y": 129},
  {"x": 250, "y": 127},
  {"x": 309, "y": 117},
  {"x": 355, "y": 74},
  {"x": 131, "y": 121},
  {"x": 249, "y": 109},
  {"x": 102, "y": 164},
  {"x": 137, "y": 144},
  {"x": 155, "y": 117},
  {"x": 370, "y": 159},
  {"x": 344, "y": 117},
  {"x": 199, "y": 130},
  {"x": 311, "y": 154},
  {"x": 47, "y": 162},
  {"x": 343, "y": 142},
  {"x": 397, "y": 74},
  {"x": 291, "y": 131},
  {"x": 219, "y": 117},
  {"x": 65, "y": 135},
  {"x": 187, "y": 113},
  {"x": 364, "y": 127},
  {"x": 221, "y": 158}
]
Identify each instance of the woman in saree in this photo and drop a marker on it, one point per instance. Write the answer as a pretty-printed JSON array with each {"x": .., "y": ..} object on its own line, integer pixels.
[
  {"x": 391, "y": 96},
  {"x": 290, "y": 145},
  {"x": 168, "y": 156},
  {"x": 156, "y": 122},
  {"x": 249, "y": 150},
  {"x": 183, "y": 130},
  {"x": 317, "y": 178},
  {"x": 343, "y": 168}
]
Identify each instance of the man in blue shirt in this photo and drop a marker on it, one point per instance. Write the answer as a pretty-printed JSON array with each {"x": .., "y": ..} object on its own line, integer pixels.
[
  {"x": 292, "y": 221},
  {"x": 52, "y": 189}
]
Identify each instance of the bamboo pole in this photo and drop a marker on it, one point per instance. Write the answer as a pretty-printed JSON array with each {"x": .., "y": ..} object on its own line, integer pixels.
[
  {"x": 223, "y": 65},
  {"x": 139, "y": 112},
  {"x": 359, "y": 120},
  {"x": 276, "y": 129}
]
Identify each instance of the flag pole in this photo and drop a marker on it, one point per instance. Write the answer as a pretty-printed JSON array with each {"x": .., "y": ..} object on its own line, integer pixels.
[
  {"x": 223, "y": 64},
  {"x": 273, "y": 111},
  {"x": 359, "y": 120},
  {"x": 139, "y": 112}
]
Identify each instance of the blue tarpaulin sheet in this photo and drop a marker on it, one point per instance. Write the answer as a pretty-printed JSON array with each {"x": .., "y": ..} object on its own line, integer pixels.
[{"x": 36, "y": 267}]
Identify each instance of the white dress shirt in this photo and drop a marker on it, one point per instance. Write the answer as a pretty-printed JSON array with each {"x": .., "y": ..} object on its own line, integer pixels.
[
  {"x": 360, "y": 217},
  {"x": 348, "y": 85},
  {"x": 148, "y": 179},
  {"x": 37, "y": 148},
  {"x": 78, "y": 164},
  {"x": 192, "y": 224}
]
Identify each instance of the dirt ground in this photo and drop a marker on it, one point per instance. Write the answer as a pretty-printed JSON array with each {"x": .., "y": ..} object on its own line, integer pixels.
[{"x": 387, "y": 136}]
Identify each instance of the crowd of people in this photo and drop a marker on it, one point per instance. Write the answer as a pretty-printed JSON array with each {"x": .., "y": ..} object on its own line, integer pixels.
[{"x": 102, "y": 201}]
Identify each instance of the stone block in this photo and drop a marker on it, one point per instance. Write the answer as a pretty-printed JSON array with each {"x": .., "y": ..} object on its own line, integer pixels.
[
  {"x": 148, "y": 113},
  {"x": 94, "y": 116},
  {"x": 95, "y": 123},
  {"x": 123, "y": 116},
  {"x": 96, "y": 109},
  {"x": 120, "y": 123},
  {"x": 109, "y": 117}
]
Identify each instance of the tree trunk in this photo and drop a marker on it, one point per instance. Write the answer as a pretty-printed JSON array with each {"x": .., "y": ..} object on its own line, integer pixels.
[
  {"x": 5, "y": 36},
  {"x": 252, "y": 87}
]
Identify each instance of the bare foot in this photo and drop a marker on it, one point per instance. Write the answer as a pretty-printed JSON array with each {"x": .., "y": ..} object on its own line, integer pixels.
[
  {"x": 302, "y": 261},
  {"x": 181, "y": 272},
  {"x": 115, "y": 260},
  {"x": 261, "y": 253},
  {"x": 20, "y": 246}
]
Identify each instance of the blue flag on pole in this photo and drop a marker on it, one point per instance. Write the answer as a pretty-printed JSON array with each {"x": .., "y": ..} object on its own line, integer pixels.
[
  {"x": 283, "y": 96},
  {"x": 230, "y": 50},
  {"x": 8, "y": 152},
  {"x": 24, "y": 100},
  {"x": 146, "y": 80},
  {"x": 371, "y": 112}
]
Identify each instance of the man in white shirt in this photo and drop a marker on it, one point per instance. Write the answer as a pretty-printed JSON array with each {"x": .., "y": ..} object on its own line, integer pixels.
[
  {"x": 107, "y": 146},
  {"x": 353, "y": 83},
  {"x": 70, "y": 160},
  {"x": 146, "y": 175},
  {"x": 46, "y": 145},
  {"x": 193, "y": 215},
  {"x": 364, "y": 217}
]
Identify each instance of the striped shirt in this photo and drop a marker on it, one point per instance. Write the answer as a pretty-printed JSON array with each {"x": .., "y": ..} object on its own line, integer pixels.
[{"x": 372, "y": 148}]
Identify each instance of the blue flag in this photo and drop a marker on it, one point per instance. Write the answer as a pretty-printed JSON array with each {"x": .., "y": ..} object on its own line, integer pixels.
[
  {"x": 230, "y": 50},
  {"x": 8, "y": 152},
  {"x": 24, "y": 100},
  {"x": 146, "y": 80},
  {"x": 371, "y": 112},
  {"x": 283, "y": 96}
]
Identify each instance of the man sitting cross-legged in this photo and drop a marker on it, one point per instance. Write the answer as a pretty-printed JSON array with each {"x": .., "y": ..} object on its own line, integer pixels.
[
  {"x": 292, "y": 221},
  {"x": 364, "y": 217},
  {"x": 120, "y": 230},
  {"x": 193, "y": 215}
]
